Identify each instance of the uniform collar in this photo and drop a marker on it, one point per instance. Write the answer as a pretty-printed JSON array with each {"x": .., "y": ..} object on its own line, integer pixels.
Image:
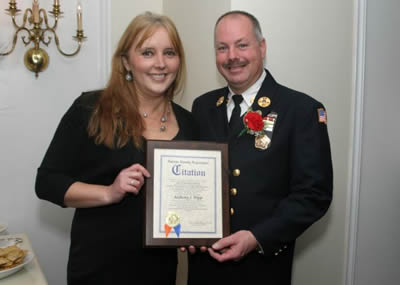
[{"x": 250, "y": 94}]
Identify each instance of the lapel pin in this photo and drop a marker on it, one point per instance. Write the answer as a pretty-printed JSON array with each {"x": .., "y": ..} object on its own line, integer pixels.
[
  {"x": 264, "y": 102},
  {"x": 220, "y": 100}
]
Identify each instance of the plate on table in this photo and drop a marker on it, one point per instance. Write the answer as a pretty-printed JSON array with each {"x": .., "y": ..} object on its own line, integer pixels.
[
  {"x": 4, "y": 243},
  {"x": 3, "y": 226}
]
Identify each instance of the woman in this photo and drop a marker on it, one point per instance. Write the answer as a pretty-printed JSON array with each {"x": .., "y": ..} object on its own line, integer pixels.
[{"x": 94, "y": 162}]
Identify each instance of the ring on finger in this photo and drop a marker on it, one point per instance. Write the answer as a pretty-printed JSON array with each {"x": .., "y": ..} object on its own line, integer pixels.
[{"x": 133, "y": 182}]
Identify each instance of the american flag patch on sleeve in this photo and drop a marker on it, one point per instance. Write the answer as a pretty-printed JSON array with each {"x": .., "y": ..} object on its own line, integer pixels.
[{"x": 322, "y": 115}]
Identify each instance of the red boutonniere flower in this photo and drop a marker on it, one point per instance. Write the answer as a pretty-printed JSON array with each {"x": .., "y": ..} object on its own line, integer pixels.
[
  {"x": 258, "y": 126},
  {"x": 254, "y": 123}
]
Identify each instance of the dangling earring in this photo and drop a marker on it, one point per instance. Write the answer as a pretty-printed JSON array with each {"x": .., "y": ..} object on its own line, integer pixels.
[{"x": 129, "y": 76}]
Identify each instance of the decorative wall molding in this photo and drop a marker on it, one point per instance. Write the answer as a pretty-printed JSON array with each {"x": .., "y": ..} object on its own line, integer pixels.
[{"x": 358, "y": 108}]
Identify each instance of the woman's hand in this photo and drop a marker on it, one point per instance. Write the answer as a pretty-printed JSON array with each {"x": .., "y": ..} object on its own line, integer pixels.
[
  {"x": 129, "y": 180},
  {"x": 83, "y": 195}
]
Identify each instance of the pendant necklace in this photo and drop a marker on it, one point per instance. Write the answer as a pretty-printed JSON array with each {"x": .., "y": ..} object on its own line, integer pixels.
[{"x": 163, "y": 119}]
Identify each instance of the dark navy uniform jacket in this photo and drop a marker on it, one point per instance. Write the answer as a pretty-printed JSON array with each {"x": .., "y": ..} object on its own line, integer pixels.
[{"x": 280, "y": 191}]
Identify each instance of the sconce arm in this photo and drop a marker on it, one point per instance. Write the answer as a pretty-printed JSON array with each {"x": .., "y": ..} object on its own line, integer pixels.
[
  {"x": 59, "y": 48},
  {"x": 27, "y": 11},
  {"x": 46, "y": 20},
  {"x": 14, "y": 42}
]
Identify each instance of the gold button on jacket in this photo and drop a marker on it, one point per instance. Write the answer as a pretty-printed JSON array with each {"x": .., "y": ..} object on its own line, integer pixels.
[{"x": 234, "y": 191}]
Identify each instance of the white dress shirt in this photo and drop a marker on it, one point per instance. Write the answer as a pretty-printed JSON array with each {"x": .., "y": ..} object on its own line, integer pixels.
[{"x": 248, "y": 96}]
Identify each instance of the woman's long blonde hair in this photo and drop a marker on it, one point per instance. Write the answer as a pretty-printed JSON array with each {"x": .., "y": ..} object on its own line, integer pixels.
[{"x": 116, "y": 118}]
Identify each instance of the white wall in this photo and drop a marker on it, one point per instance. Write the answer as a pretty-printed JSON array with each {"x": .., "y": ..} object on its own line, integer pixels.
[
  {"x": 30, "y": 110},
  {"x": 378, "y": 232},
  {"x": 124, "y": 11}
]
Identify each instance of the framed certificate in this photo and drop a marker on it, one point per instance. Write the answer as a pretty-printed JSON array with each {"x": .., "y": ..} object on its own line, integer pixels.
[{"x": 187, "y": 195}]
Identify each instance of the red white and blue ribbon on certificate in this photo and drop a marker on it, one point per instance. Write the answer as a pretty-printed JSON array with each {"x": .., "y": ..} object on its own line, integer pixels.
[{"x": 172, "y": 221}]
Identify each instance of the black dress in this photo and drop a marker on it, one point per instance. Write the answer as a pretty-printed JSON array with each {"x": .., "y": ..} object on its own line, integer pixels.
[{"x": 106, "y": 242}]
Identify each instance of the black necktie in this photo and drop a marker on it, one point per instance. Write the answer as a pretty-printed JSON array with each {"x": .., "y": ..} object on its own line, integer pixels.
[{"x": 235, "y": 117}]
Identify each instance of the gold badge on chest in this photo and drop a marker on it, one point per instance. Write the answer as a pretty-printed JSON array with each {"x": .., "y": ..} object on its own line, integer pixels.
[{"x": 262, "y": 142}]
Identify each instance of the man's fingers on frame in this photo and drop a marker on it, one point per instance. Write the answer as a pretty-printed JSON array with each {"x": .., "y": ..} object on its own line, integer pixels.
[{"x": 214, "y": 254}]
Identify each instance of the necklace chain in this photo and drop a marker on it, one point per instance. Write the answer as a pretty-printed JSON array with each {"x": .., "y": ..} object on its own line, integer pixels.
[{"x": 163, "y": 119}]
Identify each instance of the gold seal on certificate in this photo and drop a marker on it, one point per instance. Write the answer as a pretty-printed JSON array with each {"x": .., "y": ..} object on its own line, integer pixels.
[
  {"x": 187, "y": 195},
  {"x": 172, "y": 222},
  {"x": 172, "y": 219}
]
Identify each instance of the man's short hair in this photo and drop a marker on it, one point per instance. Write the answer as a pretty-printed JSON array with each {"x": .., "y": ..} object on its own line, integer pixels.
[{"x": 254, "y": 21}]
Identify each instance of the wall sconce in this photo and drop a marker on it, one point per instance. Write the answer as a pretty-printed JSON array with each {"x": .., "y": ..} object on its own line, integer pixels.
[{"x": 37, "y": 59}]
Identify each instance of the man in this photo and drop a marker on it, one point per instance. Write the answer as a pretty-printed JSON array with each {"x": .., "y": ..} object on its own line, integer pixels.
[{"x": 279, "y": 156}]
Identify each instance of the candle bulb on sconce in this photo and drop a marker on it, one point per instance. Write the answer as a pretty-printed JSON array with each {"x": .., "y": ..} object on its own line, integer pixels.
[
  {"x": 79, "y": 16},
  {"x": 13, "y": 10},
  {"x": 56, "y": 9},
  {"x": 35, "y": 11},
  {"x": 36, "y": 27}
]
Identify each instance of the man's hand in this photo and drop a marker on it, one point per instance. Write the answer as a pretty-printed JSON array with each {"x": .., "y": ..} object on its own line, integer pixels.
[
  {"x": 233, "y": 247},
  {"x": 192, "y": 249}
]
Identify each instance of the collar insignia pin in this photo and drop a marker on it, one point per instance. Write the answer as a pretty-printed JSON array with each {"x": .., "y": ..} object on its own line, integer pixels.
[
  {"x": 220, "y": 100},
  {"x": 264, "y": 102}
]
